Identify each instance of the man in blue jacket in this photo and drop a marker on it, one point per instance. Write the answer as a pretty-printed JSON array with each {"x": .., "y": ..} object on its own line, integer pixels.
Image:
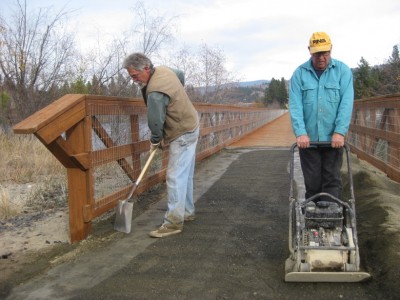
[{"x": 321, "y": 103}]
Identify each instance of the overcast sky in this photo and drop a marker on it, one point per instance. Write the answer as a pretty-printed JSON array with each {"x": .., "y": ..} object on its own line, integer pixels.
[{"x": 260, "y": 39}]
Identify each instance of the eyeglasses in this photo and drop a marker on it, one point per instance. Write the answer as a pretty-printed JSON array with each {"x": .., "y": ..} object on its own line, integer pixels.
[
  {"x": 136, "y": 72},
  {"x": 134, "y": 76},
  {"x": 324, "y": 54}
]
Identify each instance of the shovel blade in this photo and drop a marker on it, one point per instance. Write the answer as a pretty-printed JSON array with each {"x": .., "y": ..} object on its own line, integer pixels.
[{"x": 123, "y": 216}]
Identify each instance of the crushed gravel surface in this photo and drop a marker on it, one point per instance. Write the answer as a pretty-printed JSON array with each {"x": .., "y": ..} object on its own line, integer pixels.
[{"x": 235, "y": 249}]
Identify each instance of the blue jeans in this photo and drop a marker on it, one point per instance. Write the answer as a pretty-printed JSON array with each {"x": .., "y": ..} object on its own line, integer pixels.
[{"x": 182, "y": 159}]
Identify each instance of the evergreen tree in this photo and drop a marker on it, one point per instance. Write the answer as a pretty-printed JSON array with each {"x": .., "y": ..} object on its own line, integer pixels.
[
  {"x": 4, "y": 109},
  {"x": 276, "y": 92},
  {"x": 392, "y": 83},
  {"x": 395, "y": 58},
  {"x": 365, "y": 82},
  {"x": 79, "y": 86}
]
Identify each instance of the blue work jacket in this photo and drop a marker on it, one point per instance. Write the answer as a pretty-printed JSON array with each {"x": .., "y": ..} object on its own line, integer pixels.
[{"x": 321, "y": 106}]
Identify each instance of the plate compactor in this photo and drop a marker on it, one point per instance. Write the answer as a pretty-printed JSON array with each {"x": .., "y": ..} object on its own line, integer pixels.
[{"x": 322, "y": 235}]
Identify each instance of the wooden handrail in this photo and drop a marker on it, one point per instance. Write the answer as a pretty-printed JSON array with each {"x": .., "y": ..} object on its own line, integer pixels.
[
  {"x": 79, "y": 131},
  {"x": 71, "y": 126},
  {"x": 49, "y": 114}
]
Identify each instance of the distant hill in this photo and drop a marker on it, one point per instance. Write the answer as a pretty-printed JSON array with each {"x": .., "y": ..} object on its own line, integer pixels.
[
  {"x": 253, "y": 83},
  {"x": 246, "y": 91},
  {"x": 243, "y": 92}
]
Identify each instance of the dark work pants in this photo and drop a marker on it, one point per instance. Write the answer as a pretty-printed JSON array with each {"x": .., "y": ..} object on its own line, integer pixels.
[{"x": 321, "y": 171}]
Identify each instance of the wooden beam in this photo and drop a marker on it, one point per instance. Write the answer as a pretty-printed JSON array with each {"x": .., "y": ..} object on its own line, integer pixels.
[
  {"x": 108, "y": 142},
  {"x": 104, "y": 156},
  {"x": 79, "y": 187},
  {"x": 52, "y": 130},
  {"x": 391, "y": 137},
  {"x": 48, "y": 114}
]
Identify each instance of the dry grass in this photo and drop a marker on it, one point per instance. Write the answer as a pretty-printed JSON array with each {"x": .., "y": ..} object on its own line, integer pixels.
[
  {"x": 25, "y": 160},
  {"x": 7, "y": 210},
  {"x": 48, "y": 194}
]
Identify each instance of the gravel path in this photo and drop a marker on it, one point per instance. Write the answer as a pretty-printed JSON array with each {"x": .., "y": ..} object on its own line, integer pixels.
[{"x": 235, "y": 249}]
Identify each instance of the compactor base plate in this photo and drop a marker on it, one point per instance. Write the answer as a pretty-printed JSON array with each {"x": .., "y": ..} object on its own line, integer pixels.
[{"x": 326, "y": 276}]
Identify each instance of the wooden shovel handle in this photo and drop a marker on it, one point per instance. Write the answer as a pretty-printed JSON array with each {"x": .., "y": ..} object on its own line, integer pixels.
[
  {"x": 146, "y": 166},
  {"x": 144, "y": 170}
]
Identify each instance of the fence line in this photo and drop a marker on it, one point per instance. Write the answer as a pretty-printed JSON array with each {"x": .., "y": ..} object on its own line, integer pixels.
[
  {"x": 104, "y": 141},
  {"x": 374, "y": 133}
]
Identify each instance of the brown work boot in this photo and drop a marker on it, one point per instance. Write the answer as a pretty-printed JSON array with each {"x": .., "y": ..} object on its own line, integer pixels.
[{"x": 165, "y": 230}]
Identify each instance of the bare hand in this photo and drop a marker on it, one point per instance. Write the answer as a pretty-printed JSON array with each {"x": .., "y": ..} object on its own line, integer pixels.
[
  {"x": 303, "y": 141},
  {"x": 337, "y": 140}
]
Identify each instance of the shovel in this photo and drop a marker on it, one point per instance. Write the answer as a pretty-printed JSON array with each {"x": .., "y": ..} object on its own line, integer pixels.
[{"x": 124, "y": 208}]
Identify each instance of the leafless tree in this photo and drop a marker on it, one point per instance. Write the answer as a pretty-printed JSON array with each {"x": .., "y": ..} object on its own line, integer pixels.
[
  {"x": 207, "y": 78},
  {"x": 210, "y": 75},
  {"x": 148, "y": 33},
  {"x": 102, "y": 65},
  {"x": 184, "y": 60},
  {"x": 151, "y": 30},
  {"x": 35, "y": 55}
]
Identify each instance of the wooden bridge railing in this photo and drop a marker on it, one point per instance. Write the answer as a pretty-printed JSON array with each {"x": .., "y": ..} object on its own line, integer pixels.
[
  {"x": 104, "y": 141},
  {"x": 374, "y": 133}
]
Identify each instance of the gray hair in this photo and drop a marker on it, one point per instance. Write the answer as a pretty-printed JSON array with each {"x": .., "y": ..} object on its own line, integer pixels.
[{"x": 137, "y": 61}]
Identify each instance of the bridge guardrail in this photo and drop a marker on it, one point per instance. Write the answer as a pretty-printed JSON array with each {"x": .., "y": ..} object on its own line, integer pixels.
[
  {"x": 103, "y": 143},
  {"x": 374, "y": 133}
]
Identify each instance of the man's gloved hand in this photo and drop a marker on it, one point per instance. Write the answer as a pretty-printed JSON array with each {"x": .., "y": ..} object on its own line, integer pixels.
[{"x": 155, "y": 146}]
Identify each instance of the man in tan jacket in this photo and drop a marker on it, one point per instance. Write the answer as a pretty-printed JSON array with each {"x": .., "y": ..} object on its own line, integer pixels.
[{"x": 172, "y": 118}]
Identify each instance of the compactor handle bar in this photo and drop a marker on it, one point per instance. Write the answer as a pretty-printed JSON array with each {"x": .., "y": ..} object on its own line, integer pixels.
[{"x": 321, "y": 144}]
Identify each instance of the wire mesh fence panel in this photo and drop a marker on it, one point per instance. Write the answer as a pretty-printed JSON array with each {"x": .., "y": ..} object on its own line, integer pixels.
[{"x": 375, "y": 133}]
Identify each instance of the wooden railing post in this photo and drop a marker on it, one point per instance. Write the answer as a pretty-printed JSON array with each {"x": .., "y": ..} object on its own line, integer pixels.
[
  {"x": 394, "y": 148},
  {"x": 79, "y": 187}
]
